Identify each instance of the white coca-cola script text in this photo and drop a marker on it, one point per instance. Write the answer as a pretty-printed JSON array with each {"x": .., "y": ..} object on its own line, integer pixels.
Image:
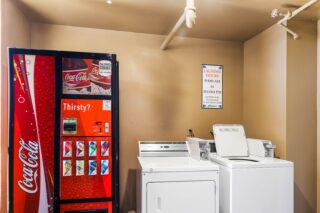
[
  {"x": 81, "y": 76},
  {"x": 29, "y": 155}
]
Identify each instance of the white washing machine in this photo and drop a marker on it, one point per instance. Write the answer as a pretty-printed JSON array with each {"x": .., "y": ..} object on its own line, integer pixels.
[
  {"x": 250, "y": 184},
  {"x": 169, "y": 181}
]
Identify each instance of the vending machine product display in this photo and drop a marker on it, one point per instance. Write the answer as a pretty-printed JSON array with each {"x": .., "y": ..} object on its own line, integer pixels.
[{"x": 64, "y": 132}]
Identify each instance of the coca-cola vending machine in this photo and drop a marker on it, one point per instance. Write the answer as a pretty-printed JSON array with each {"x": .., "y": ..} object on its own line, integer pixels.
[{"x": 64, "y": 132}]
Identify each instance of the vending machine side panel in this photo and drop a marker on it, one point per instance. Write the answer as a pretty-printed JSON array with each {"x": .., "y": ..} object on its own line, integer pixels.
[{"x": 31, "y": 131}]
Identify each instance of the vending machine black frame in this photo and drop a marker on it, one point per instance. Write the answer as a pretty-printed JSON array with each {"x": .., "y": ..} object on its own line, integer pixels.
[{"x": 114, "y": 97}]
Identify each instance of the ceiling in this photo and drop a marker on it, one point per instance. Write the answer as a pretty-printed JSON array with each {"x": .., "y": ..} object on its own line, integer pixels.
[{"x": 236, "y": 20}]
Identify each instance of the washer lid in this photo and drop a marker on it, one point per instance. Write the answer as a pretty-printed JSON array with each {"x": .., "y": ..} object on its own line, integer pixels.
[
  {"x": 250, "y": 162},
  {"x": 230, "y": 140},
  {"x": 175, "y": 164}
]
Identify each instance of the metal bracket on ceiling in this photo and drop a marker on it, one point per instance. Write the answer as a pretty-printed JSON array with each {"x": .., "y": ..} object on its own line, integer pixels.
[
  {"x": 289, "y": 15},
  {"x": 188, "y": 15}
]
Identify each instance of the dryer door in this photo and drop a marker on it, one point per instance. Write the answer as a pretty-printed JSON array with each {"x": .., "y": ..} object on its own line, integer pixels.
[{"x": 186, "y": 197}]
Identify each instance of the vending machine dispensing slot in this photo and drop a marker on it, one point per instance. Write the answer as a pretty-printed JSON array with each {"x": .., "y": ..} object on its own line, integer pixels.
[{"x": 69, "y": 125}]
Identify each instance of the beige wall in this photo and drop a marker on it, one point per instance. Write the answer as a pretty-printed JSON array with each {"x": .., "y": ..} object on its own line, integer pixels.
[
  {"x": 280, "y": 100},
  {"x": 160, "y": 91},
  {"x": 15, "y": 32},
  {"x": 318, "y": 119},
  {"x": 264, "y": 105},
  {"x": 301, "y": 112}
]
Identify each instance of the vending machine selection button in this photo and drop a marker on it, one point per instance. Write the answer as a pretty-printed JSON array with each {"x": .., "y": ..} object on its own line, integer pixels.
[
  {"x": 67, "y": 149},
  {"x": 79, "y": 148},
  {"x": 104, "y": 146},
  {"x": 67, "y": 168},
  {"x": 93, "y": 167},
  {"x": 104, "y": 167},
  {"x": 79, "y": 167},
  {"x": 92, "y": 148}
]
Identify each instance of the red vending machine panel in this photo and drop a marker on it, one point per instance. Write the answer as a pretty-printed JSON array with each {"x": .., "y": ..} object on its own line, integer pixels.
[
  {"x": 85, "y": 167},
  {"x": 32, "y": 116},
  {"x": 86, "y": 156},
  {"x": 82, "y": 117}
]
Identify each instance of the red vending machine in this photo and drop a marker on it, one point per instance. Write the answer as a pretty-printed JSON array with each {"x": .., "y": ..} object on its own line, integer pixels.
[{"x": 64, "y": 132}]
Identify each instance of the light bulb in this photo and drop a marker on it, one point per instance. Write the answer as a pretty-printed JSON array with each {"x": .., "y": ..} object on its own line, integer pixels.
[{"x": 109, "y": 1}]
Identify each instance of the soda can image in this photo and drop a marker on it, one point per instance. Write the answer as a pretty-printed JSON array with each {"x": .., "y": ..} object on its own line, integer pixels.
[
  {"x": 92, "y": 167},
  {"x": 100, "y": 77},
  {"x": 104, "y": 167},
  {"x": 67, "y": 148},
  {"x": 79, "y": 167},
  {"x": 67, "y": 168},
  {"x": 92, "y": 148},
  {"x": 104, "y": 148},
  {"x": 79, "y": 148}
]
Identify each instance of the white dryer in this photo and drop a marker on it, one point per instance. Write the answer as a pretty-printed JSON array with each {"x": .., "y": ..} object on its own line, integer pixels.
[
  {"x": 169, "y": 181},
  {"x": 250, "y": 184}
]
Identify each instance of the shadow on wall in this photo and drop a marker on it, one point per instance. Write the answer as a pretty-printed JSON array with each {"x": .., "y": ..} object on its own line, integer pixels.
[
  {"x": 129, "y": 201},
  {"x": 301, "y": 205}
]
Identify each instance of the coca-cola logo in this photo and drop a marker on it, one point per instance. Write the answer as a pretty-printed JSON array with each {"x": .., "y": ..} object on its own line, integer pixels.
[
  {"x": 29, "y": 155},
  {"x": 81, "y": 76}
]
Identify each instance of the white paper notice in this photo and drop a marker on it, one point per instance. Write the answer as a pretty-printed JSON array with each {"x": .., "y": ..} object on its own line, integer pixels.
[
  {"x": 212, "y": 90},
  {"x": 106, "y": 105},
  {"x": 105, "y": 68}
]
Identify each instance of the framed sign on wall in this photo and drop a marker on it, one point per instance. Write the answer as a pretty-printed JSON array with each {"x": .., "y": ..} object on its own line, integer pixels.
[{"x": 212, "y": 86}]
